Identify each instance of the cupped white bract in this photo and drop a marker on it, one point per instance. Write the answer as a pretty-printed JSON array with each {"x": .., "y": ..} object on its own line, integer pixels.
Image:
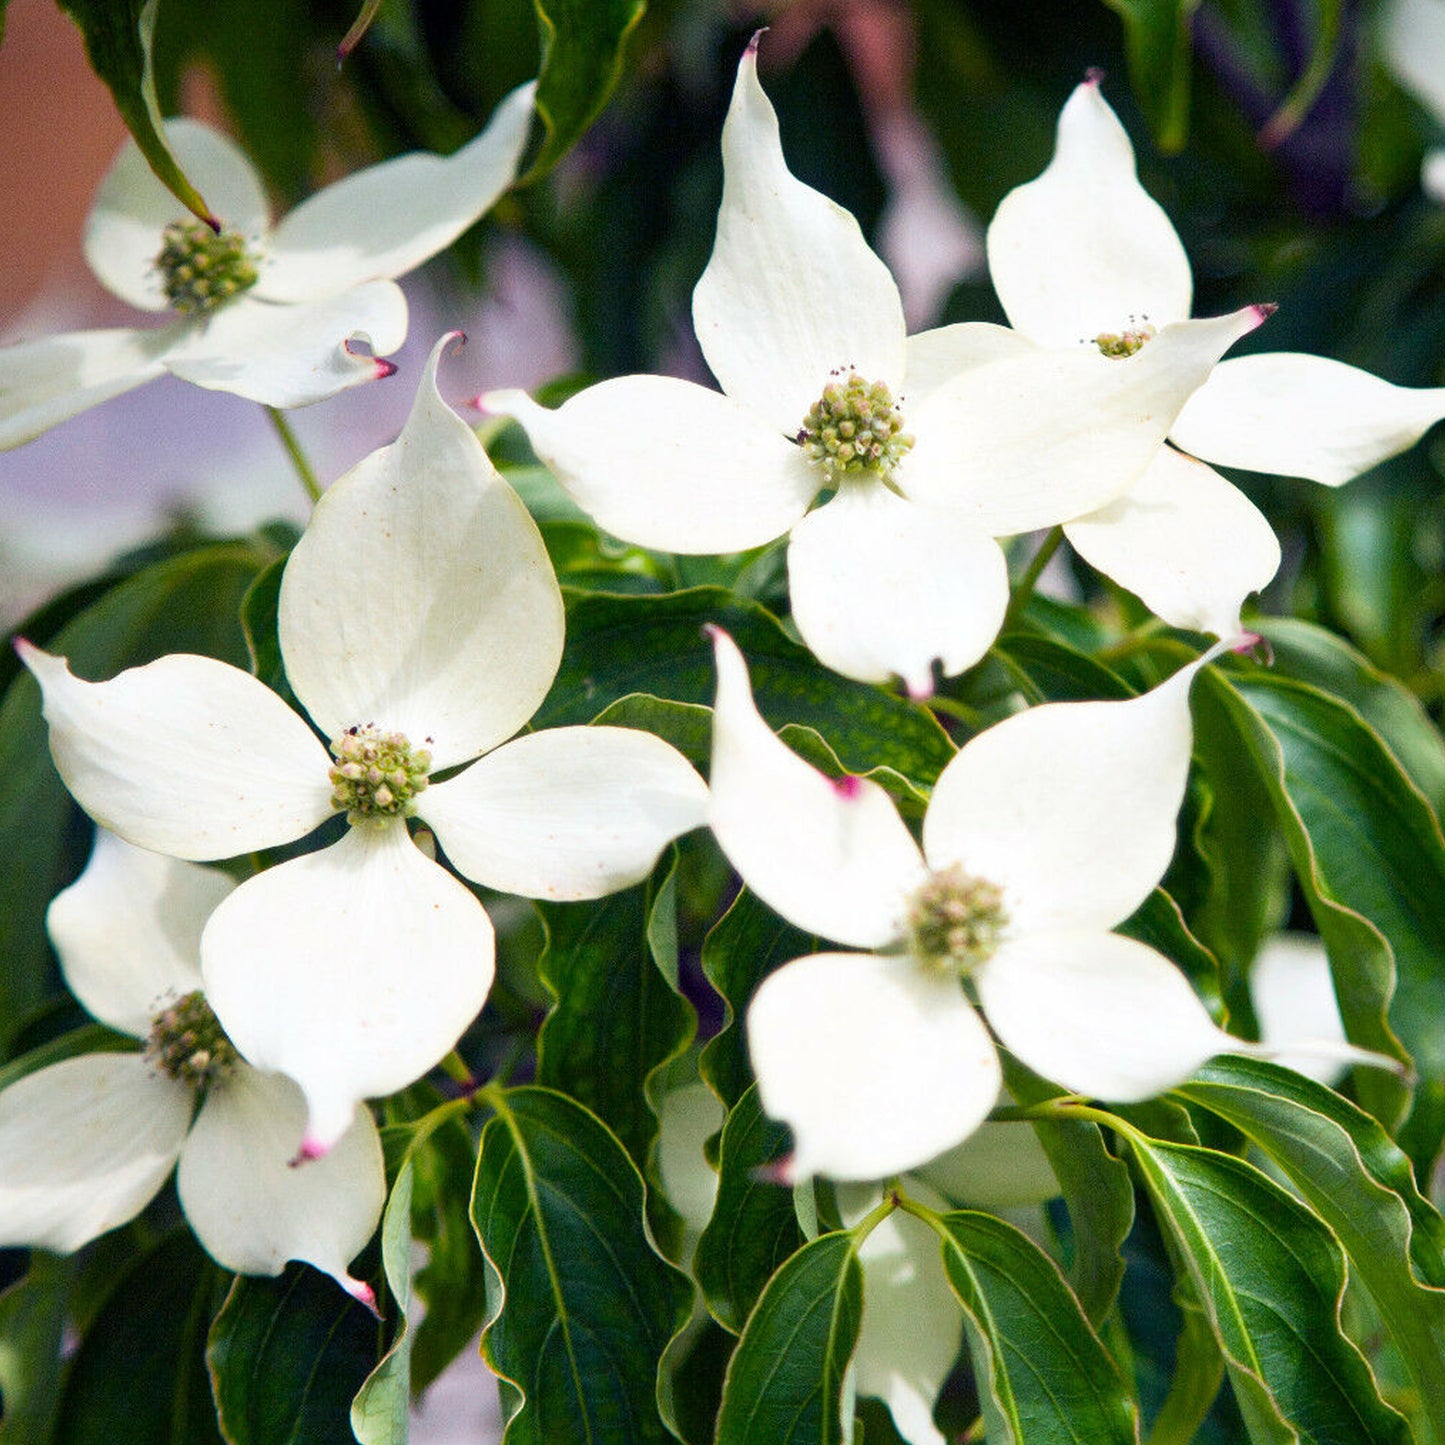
[
  {"x": 1084, "y": 256},
  {"x": 1066, "y": 813},
  {"x": 926, "y": 448},
  {"x": 419, "y": 617},
  {"x": 319, "y": 281},
  {"x": 90, "y": 1141}
]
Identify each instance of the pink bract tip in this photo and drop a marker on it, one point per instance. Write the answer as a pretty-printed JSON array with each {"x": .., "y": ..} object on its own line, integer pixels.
[
  {"x": 24, "y": 647},
  {"x": 362, "y": 1293},
  {"x": 712, "y": 631},
  {"x": 1094, "y": 76},
  {"x": 1246, "y": 642},
  {"x": 756, "y": 39},
  {"x": 455, "y": 339},
  {"x": 778, "y": 1172},
  {"x": 310, "y": 1149},
  {"x": 1264, "y": 310},
  {"x": 920, "y": 692},
  {"x": 848, "y": 787}
]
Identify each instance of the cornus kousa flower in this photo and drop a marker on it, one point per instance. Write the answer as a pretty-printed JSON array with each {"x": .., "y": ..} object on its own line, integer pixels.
[
  {"x": 823, "y": 393},
  {"x": 1042, "y": 835},
  {"x": 1084, "y": 256},
  {"x": 421, "y": 626},
  {"x": 90, "y": 1141},
  {"x": 267, "y": 313}
]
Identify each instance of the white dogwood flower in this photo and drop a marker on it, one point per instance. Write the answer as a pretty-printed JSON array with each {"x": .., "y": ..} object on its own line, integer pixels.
[
  {"x": 1042, "y": 835},
  {"x": 90, "y": 1141},
  {"x": 928, "y": 447},
  {"x": 269, "y": 313},
  {"x": 421, "y": 626},
  {"x": 1084, "y": 255}
]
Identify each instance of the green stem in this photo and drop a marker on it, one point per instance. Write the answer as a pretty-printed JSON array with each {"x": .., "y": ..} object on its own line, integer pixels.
[
  {"x": 455, "y": 1068},
  {"x": 1025, "y": 586},
  {"x": 293, "y": 450}
]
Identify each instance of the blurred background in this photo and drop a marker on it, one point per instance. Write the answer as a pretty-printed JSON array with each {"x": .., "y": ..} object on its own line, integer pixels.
[{"x": 1285, "y": 138}]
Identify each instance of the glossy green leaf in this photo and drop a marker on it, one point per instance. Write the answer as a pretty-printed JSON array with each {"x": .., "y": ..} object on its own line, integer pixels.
[
  {"x": 1048, "y": 670},
  {"x": 187, "y": 603},
  {"x": 619, "y": 645},
  {"x": 287, "y": 1356},
  {"x": 380, "y": 1410},
  {"x": 1311, "y": 654},
  {"x": 618, "y": 1015},
  {"x": 785, "y": 1379},
  {"x": 119, "y": 39},
  {"x": 1159, "y": 923},
  {"x": 1243, "y": 878},
  {"x": 33, "y": 1314},
  {"x": 754, "y": 1226},
  {"x": 1043, "y": 1377},
  {"x": 1097, "y": 1193},
  {"x": 1270, "y": 1277},
  {"x": 582, "y": 55},
  {"x": 686, "y": 725},
  {"x": 747, "y": 944},
  {"x": 583, "y": 1305},
  {"x": 1156, "y": 38},
  {"x": 1360, "y": 1183},
  {"x": 452, "y": 1282},
  {"x": 151, "y": 1334},
  {"x": 1368, "y": 852}
]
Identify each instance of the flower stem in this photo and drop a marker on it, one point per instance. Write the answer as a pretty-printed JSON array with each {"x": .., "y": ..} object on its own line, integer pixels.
[
  {"x": 454, "y": 1067},
  {"x": 1024, "y": 589},
  {"x": 293, "y": 450}
]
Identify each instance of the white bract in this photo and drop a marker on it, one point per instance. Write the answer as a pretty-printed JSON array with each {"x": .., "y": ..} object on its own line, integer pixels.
[
  {"x": 1042, "y": 834},
  {"x": 1083, "y": 256},
  {"x": 928, "y": 447},
  {"x": 269, "y": 313},
  {"x": 421, "y": 626},
  {"x": 87, "y": 1143}
]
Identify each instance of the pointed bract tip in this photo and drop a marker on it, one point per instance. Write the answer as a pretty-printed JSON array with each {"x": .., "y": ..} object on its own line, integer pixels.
[
  {"x": 23, "y": 647},
  {"x": 710, "y": 630},
  {"x": 362, "y": 1293},
  {"x": 780, "y": 1171},
  {"x": 1094, "y": 76},
  {"x": 849, "y": 787},
  {"x": 310, "y": 1149},
  {"x": 213, "y": 221},
  {"x": 383, "y": 369},
  {"x": 1263, "y": 311},
  {"x": 756, "y": 40},
  {"x": 454, "y": 340}
]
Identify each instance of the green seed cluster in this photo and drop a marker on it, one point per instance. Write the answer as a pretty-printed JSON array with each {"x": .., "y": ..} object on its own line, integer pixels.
[
  {"x": 1118, "y": 344},
  {"x": 188, "y": 1043},
  {"x": 200, "y": 269},
  {"x": 377, "y": 775},
  {"x": 956, "y": 921},
  {"x": 854, "y": 427}
]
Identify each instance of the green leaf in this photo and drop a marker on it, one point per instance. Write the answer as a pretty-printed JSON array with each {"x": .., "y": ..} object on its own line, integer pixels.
[
  {"x": 583, "y": 1305},
  {"x": 119, "y": 38},
  {"x": 618, "y": 1016},
  {"x": 187, "y": 603},
  {"x": 379, "y": 1412},
  {"x": 452, "y": 1283},
  {"x": 287, "y": 1356},
  {"x": 745, "y": 946},
  {"x": 785, "y": 1378},
  {"x": 1159, "y": 923},
  {"x": 582, "y": 45},
  {"x": 1311, "y": 654},
  {"x": 1360, "y": 1183},
  {"x": 1042, "y": 1375},
  {"x": 1270, "y": 1277},
  {"x": 1097, "y": 1193},
  {"x": 1368, "y": 852},
  {"x": 33, "y": 1314},
  {"x": 754, "y": 1226},
  {"x": 1156, "y": 39},
  {"x": 1047, "y": 670},
  {"x": 619, "y": 645},
  {"x": 686, "y": 725},
  {"x": 150, "y": 1334}
]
